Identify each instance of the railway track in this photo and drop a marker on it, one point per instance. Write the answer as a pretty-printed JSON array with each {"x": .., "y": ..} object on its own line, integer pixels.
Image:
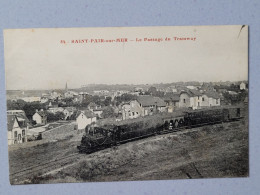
[
  {"x": 37, "y": 170},
  {"x": 42, "y": 168}
]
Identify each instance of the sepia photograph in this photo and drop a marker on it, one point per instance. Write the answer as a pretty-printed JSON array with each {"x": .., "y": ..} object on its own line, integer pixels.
[{"x": 126, "y": 103}]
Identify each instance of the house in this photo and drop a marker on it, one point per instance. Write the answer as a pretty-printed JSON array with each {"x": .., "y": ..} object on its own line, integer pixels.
[
  {"x": 44, "y": 100},
  {"x": 54, "y": 110},
  {"x": 242, "y": 86},
  {"x": 232, "y": 93},
  {"x": 15, "y": 112},
  {"x": 40, "y": 117},
  {"x": 131, "y": 110},
  {"x": 52, "y": 105},
  {"x": 190, "y": 99},
  {"x": 207, "y": 87},
  {"x": 55, "y": 95},
  {"x": 17, "y": 129},
  {"x": 84, "y": 118},
  {"x": 70, "y": 94},
  {"x": 92, "y": 106},
  {"x": 191, "y": 87},
  {"x": 31, "y": 99},
  {"x": 68, "y": 111},
  {"x": 172, "y": 101},
  {"x": 82, "y": 96},
  {"x": 210, "y": 98},
  {"x": 20, "y": 114},
  {"x": 151, "y": 104},
  {"x": 101, "y": 92},
  {"x": 98, "y": 112}
]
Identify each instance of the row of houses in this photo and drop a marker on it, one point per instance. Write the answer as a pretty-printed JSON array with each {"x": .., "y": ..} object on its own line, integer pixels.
[
  {"x": 147, "y": 105},
  {"x": 40, "y": 116},
  {"x": 144, "y": 105}
]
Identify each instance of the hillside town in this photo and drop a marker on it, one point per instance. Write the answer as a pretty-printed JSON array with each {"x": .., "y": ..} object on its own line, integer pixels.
[{"x": 30, "y": 117}]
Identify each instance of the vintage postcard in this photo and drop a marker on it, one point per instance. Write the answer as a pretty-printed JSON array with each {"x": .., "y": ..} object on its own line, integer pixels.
[{"x": 126, "y": 103}]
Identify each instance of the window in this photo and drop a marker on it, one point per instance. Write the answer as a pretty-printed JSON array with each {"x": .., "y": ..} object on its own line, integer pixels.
[
  {"x": 216, "y": 101},
  {"x": 15, "y": 134},
  {"x": 184, "y": 100},
  {"x": 198, "y": 97},
  {"x": 174, "y": 103},
  {"x": 23, "y": 133},
  {"x": 133, "y": 113},
  {"x": 203, "y": 99},
  {"x": 137, "y": 113}
]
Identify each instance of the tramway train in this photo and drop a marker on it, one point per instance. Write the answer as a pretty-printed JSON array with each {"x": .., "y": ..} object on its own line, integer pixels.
[{"x": 96, "y": 138}]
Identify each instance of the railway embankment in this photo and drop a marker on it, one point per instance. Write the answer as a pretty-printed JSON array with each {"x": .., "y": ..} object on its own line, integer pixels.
[{"x": 219, "y": 150}]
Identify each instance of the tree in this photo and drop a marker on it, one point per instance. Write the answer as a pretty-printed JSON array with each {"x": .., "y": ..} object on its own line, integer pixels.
[
  {"x": 107, "y": 101},
  {"x": 152, "y": 90},
  {"x": 96, "y": 99},
  {"x": 124, "y": 98},
  {"x": 30, "y": 108},
  {"x": 108, "y": 112},
  {"x": 51, "y": 117}
]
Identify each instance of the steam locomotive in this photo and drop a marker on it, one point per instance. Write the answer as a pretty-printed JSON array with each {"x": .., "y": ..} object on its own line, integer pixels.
[{"x": 96, "y": 138}]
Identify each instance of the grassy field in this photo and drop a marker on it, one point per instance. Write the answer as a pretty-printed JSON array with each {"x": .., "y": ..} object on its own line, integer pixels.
[{"x": 219, "y": 150}]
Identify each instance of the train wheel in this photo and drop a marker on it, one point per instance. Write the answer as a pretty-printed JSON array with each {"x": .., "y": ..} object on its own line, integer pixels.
[
  {"x": 176, "y": 124},
  {"x": 181, "y": 122}
]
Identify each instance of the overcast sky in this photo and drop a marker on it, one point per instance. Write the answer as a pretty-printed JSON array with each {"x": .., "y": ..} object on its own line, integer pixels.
[{"x": 35, "y": 58}]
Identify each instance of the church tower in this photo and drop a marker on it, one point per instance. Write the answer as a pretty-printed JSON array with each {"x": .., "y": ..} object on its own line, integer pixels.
[{"x": 66, "y": 87}]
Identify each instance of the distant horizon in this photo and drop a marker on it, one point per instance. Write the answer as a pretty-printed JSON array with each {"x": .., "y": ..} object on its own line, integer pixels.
[{"x": 126, "y": 84}]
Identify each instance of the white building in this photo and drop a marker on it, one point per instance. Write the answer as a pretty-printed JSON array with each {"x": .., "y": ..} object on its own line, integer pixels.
[
  {"x": 31, "y": 99},
  {"x": 210, "y": 98},
  {"x": 132, "y": 110},
  {"x": 195, "y": 99},
  {"x": 242, "y": 86},
  {"x": 190, "y": 99},
  {"x": 40, "y": 117},
  {"x": 17, "y": 129},
  {"x": 85, "y": 118}
]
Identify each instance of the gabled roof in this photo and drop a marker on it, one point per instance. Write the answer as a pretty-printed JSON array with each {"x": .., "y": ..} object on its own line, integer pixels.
[
  {"x": 172, "y": 96},
  {"x": 11, "y": 118},
  {"x": 212, "y": 94},
  {"x": 195, "y": 92},
  {"x": 41, "y": 113},
  {"x": 87, "y": 113},
  {"x": 147, "y": 100},
  {"x": 192, "y": 92},
  {"x": 22, "y": 117},
  {"x": 70, "y": 109},
  {"x": 10, "y": 122}
]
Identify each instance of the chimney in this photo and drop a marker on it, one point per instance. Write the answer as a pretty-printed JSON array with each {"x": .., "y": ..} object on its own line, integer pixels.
[{"x": 36, "y": 110}]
